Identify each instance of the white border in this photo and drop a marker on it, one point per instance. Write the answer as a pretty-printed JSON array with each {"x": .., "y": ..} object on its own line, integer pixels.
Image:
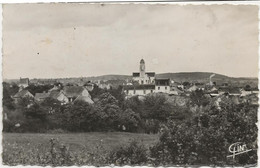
[{"x": 127, "y": 2}]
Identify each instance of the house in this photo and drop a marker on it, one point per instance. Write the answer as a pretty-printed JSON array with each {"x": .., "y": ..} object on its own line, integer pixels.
[
  {"x": 74, "y": 92},
  {"x": 22, "y": 94},
  {"x": 162, "y": 85},
  {"x": 132, "y": 90},
  {"x": 55, "y": 87},
  {"x": 245, "y": 92},
  {"x": 143, "y": 77},
  {"x": 59, "y": 95},
  {"x": 24, "y": 82},
  {"x": 233, "y": 91},
  {"x": 175, "y": 91},
  {"x": 84, "y": 98},
  {"x": 41, "y": 96},
  {"x": 252, "y": 99},
  {"x": 103, "y": 85},
  {"x": 89, "y": 86},
  {"x": 193, "y": 88}
]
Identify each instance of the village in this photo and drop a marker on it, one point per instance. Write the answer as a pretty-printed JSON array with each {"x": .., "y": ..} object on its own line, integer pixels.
[{"x": 141, "y": 84}]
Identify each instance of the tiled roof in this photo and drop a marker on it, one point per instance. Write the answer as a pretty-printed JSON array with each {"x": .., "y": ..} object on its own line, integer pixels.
[
  {"x": 162, "y": 82},
  {"x": 85, "y": 99},
  {"x": 39, "y": 96},
  {"x": 162, "y": 79},
  {"x": 22, "y": 93},
  {"x": 73, "y": 91},
  {"x": 231, "y": 90},
  {"x": 139, "y": 87},
  {"x": 24, "y": 80},
  {"x": 136, "y": 74},
  {"x": 54, "y": 94},
  {"x": 150, "y": 74}
]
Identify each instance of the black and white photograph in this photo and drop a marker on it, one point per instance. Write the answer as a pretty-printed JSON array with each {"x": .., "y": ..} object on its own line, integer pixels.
[{"x": 137, "y": 84}]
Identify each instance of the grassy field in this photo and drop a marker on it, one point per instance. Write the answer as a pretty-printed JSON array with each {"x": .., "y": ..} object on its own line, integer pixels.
[
  {"x": 78, "y": 140},
  {"x": 29, "y": 148}
]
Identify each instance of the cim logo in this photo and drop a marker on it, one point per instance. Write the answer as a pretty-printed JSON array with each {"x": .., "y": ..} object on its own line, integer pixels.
[{"x": 237, "y": 148}]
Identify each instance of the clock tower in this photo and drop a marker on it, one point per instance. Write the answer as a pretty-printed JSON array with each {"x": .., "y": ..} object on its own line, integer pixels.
[{"x": 142, "y": 68}]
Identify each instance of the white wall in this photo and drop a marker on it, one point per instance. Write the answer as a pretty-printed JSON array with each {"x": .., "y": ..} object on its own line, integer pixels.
[
  {"x": 163, "y": 89},
  {"x": 139, "y": 92},
  {"x": 145, "y": 80},
  {"x": 63, "y": 98},
  {"x": 85, "y": 93}
]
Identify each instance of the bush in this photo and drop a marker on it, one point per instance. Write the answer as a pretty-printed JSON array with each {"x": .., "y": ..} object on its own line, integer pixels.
[
  {"x": 134, "y": 154},
  {"x": 204, "y": 139}
]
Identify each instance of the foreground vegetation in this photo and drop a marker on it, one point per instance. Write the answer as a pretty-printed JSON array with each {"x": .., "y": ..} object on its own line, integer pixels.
[
  {"x": 197, "y": 133},
  {"x": 69, "y": 149}
]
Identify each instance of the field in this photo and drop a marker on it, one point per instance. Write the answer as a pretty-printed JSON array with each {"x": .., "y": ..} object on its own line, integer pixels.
[{"x": 24, "y": 148}]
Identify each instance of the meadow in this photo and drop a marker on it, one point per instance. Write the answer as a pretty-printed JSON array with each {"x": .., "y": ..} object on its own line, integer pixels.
[{"x": 82, "y": 148}]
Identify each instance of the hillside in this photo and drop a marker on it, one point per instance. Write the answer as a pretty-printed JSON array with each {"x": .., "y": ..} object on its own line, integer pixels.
[{"x": 202, "y": 77}]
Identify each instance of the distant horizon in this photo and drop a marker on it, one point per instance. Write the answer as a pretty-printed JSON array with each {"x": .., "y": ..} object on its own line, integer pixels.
[{"x": 130, "y": 75}]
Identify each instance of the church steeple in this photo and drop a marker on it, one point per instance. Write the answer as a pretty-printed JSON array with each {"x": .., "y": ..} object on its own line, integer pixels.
[{"x": 142, "y": 68}]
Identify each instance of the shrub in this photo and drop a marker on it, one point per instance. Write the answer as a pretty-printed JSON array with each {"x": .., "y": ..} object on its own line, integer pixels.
[{"x": 134, "y": 154}]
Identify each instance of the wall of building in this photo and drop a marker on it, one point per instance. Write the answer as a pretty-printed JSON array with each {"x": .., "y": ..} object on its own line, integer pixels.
[
  {"x": 63, "y": 98},
  {"x": 146, "y": 80},
  {"x": 139, "y": 92},
  {"x": 85, "y": 93},
  {"x": 162, "y": 89}
]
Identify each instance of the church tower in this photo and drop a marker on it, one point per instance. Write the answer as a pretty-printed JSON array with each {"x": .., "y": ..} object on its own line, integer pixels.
[{"x": 142, "y": 68}]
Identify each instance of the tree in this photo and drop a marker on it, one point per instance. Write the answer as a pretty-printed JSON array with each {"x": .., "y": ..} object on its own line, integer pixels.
[
  {"x": 130, "y": 120},
  {"x": 8, "y": 91},
  {"x": 107, "y": 111},
  {"x": 207, "y": 135},
  {"x": 198, "y": 98},
  {"x": 247, "y": 88},
  {"x": 96, "y": 91},
  {"x": 77, "y": 116},
  {"x": 156, "y": 107},
  {"x": 38, "y": 88}
]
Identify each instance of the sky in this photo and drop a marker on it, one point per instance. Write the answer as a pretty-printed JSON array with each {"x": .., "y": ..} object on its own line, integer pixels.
[{"x": 81, "y": 40}]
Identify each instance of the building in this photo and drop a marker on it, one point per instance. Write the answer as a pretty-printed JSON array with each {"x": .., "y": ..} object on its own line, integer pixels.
[
  {"x": 144, "y": 83},
  {"x": 22, "y": 94},
  {"x": 143, "y": 77},
  {"x": 59, "y": 95},
  {"x": 141, "y": 90},
  {"x": 41, "y": 96},
  {"x": 24, "y": 82},
  {"x": 162, "y": 86},
  {"x": 77, "y": 92},
  {"x": 89, "y": 86}
]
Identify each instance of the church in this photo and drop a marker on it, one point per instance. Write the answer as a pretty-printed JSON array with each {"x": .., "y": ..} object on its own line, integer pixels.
[
  {"x": 143, "y": 77},
  {"x": 145, "y": 83}
]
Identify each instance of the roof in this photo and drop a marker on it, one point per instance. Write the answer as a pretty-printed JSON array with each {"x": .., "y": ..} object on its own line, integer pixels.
[
  {"x": 162, "y": 79},
  {"x": 231, "y": 90},
  {"x": 139, "y": 87},
  {"x": 24, "y": 80},
  {"x": 41, "y": 96},
  {"x": 54, "y": 94},
  {"x": 21, "y": 93},
  {"x": 73, "y": 91},
  {"x": 136, "y": 74},
  {"x": 85, "y": 99},
  {"x": 150, "y": 74}
]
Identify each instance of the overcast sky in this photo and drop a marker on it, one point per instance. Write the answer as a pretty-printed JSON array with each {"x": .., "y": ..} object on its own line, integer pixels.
[{"x": 73, "y": 40}]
